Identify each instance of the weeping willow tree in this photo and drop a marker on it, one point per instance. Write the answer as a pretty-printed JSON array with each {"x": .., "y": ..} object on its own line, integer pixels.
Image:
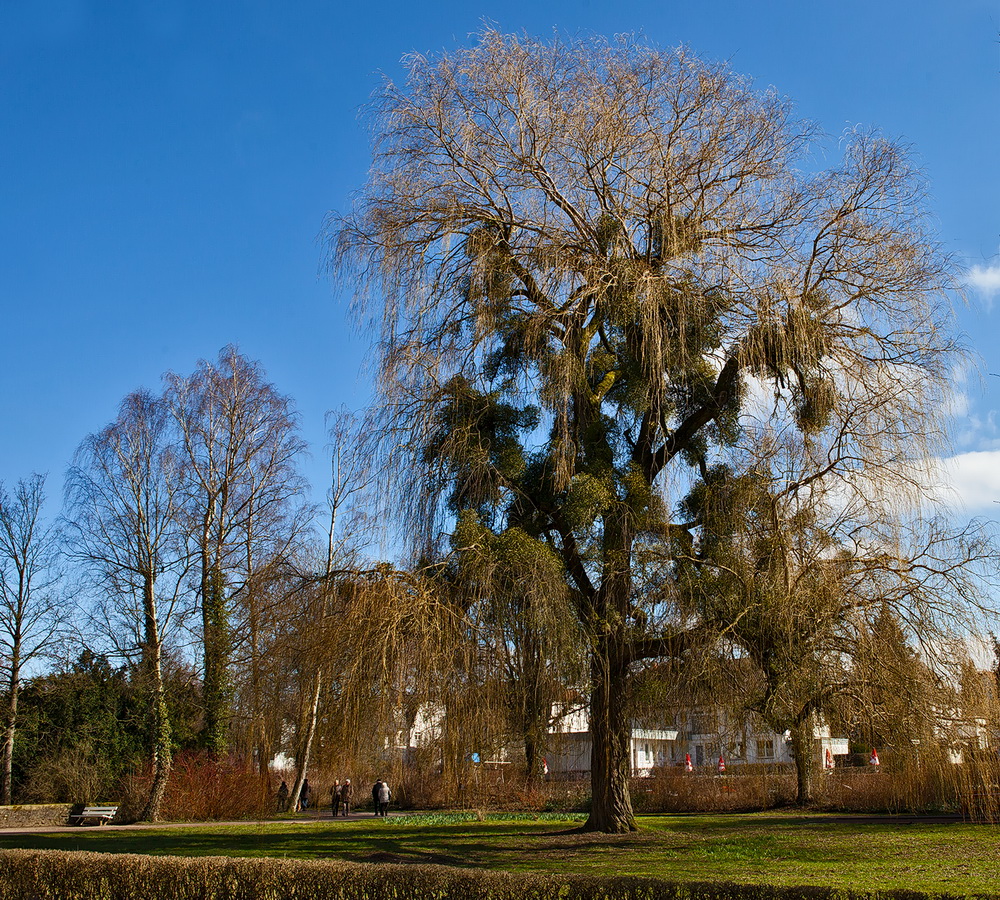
[
  {"x": 519, "y": 613},
  {"x": 585, "y": 260},
  {"x": 398, "y": 650},
  {"x": 822, "y": 597}
]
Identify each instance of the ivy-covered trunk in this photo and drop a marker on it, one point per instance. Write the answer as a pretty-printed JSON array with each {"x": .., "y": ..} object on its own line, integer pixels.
[
  {"x": 162, "y": 756},
  {"x": 533, "y": 703},
  {"x": 215, "y": 624}
]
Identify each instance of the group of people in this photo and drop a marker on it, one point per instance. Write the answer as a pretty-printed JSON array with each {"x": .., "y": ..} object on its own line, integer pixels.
[
  {"x": 381, "y": 795},
  {"x": 340, "y": 797},
  {"x": 305, "y": 795}
]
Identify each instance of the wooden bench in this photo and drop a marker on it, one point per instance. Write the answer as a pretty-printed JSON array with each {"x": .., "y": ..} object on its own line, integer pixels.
[{"x": 101, "y": 814}]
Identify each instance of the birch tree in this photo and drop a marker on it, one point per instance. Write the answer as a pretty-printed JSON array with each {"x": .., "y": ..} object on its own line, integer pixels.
[
  {"x": 33, "y": 605},
  {"x": 124, "y": 499},
  {"x": 239, "y": 446}
]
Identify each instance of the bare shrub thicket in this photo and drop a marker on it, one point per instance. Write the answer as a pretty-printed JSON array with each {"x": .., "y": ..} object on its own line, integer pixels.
[{"x": 204, "y": 788}]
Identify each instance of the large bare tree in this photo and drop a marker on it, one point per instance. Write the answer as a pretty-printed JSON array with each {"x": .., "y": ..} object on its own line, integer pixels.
[
  {"x": 239, "y": 446},
  {"x": 124, "y": 499},
  {"x": 34, "y": 607},
  {"x": 794, "y": 576},
  {"x": 588, "y": 258},
  {"x": 350, "y": 520}
]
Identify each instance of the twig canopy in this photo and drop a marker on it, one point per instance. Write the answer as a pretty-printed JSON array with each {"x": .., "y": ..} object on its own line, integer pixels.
[{"x": 596, "y": 267}]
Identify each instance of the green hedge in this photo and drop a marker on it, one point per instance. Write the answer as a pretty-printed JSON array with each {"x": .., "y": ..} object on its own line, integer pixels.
[{"x": 59, "y": 875}]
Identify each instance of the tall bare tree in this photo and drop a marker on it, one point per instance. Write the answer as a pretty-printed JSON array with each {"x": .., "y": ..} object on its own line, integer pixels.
[
  {"x": 240, "y": 446},
  {"x": 124, "y": 495},
  {"x": 33, "y": 605},
  {"x": 799, "y": 580},
  {"x": 588, "y": 259},
  {"x": 351, "y": 526}
]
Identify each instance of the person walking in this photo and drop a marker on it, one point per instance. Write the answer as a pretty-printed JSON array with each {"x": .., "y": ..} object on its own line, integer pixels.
[
  {"x": 345, "y": 796},
  {"x": 282, "y": 797},
  {"x": 304, "y": 795},
  {"x": 375, "y": 792},
  {"x": 335, "y": 798},
  {"x": 384, "y": 796}
]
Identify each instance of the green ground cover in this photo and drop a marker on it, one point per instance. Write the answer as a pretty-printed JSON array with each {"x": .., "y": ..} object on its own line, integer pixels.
[{"x": 771, "y": 848}]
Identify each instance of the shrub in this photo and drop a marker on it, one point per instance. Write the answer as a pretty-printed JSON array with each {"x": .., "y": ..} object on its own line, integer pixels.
[
  {"x": 70, "y": 776},
  {"x": 57, "y": 875},
  {"x": 747, "y": 788},
  {"x": 202, "y": 788},
  {"x": 205, "y": 788}
]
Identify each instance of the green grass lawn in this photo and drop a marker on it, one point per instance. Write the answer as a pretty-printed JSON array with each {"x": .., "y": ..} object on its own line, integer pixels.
[{"x": 775, "y": 848}]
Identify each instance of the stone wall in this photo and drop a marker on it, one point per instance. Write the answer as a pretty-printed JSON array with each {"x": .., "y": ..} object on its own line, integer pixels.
[{"x": 30, "y": 816}]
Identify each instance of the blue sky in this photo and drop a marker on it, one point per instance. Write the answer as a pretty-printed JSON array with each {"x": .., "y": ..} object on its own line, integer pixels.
[{"x": 166, "y": 168}]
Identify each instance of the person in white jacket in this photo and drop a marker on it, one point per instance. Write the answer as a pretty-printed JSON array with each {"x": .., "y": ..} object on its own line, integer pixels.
[{"x": 384, "y": 796}]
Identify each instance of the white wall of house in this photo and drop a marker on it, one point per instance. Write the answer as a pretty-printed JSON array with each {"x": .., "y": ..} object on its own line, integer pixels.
[
  {"x": 704, "y": 734},
  {"x": 651, "y": 749}
]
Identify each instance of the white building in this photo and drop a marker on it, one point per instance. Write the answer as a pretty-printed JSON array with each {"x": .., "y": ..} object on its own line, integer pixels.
[
  {"x": 568, "y": 753},
  {"x": 704, "y": 735}
]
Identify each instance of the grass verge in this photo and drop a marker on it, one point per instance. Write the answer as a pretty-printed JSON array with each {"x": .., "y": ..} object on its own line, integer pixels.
[{"x": 762, "y": 848}]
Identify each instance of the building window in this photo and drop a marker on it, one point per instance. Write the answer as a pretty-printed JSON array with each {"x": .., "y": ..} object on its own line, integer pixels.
[
  {"x": 765, "y": 749},
  {"x": 704, "y": 723}
]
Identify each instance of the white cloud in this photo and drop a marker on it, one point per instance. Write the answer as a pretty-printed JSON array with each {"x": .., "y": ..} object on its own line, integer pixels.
[
  {"x": 986, "y": 280},
  {"x": 958, "y": 404},
  {"x": 970, "y": 482}
]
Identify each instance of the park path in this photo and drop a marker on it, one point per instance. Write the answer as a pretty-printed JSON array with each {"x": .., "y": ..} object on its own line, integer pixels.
[
  {"x": 144, "y": 826},
  {"x": 855, "y": 819}
]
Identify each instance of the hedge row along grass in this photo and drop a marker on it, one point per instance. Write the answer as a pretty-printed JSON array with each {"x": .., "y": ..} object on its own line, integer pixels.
[{"x": 58, "y": 875}]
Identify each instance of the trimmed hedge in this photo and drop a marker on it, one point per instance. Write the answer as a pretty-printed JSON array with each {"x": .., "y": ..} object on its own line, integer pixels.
[{"x": 61, "y": 875}]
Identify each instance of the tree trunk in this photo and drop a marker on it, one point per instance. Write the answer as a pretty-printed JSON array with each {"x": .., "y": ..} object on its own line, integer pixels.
[
  {"x": 10, "y": 726},
  {"x": 530, "y": 757},
  {"x": 305, "y": 746},
  {"x": 611, "y": 805},
  {"x": 805, "y": 762},
  {"x": 215, "y": 688},
  {"x": 257, "y": 741},
  {"x": 533, "y": 712},
  {"x": 161, "y": 755},
  {"x": 160, "y": 732}
]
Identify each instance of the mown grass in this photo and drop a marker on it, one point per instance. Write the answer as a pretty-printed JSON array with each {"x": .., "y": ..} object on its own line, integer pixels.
[{"x": 761, "y": 848}]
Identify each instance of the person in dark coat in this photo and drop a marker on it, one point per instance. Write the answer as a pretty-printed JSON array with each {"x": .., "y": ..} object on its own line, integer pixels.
[
  {"x": 345, "y": 796},
  {"x": 283, "y": 797},
  {"x": 375, "y": 792},
  {"x": 304, "y": 795},
  {"x": 335, "y": 798}
]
